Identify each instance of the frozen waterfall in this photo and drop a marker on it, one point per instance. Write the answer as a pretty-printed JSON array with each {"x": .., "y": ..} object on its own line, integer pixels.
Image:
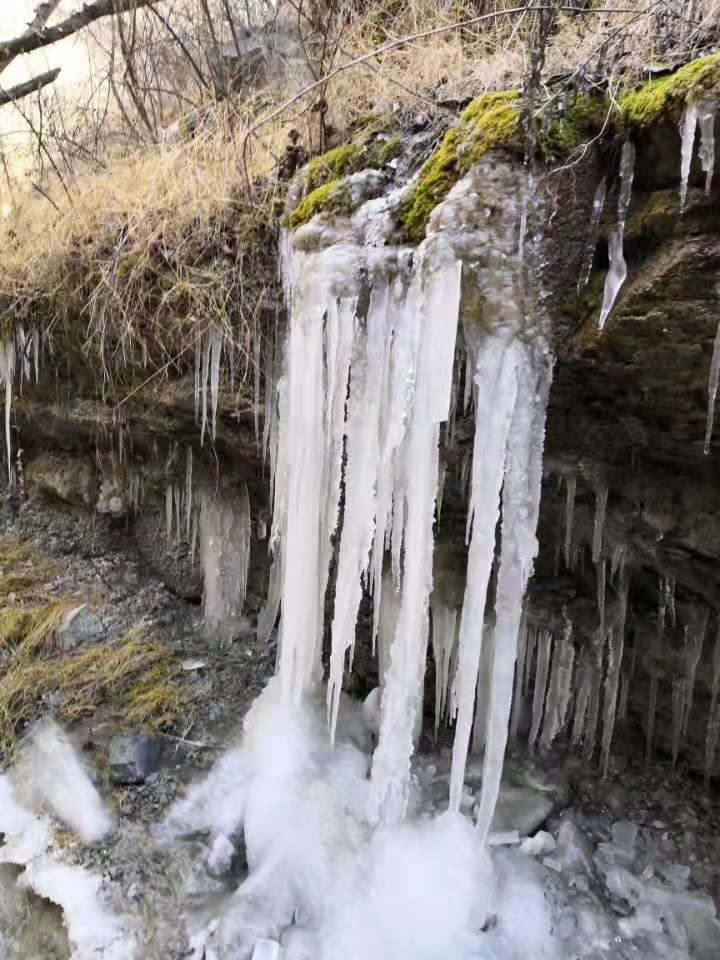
[{"x": 367, "y": 378}]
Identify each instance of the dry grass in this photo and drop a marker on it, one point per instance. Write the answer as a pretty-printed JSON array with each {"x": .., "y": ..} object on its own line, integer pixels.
[
  {"x": 167, "y": 241},
  {"x": 136, "y": 679}
]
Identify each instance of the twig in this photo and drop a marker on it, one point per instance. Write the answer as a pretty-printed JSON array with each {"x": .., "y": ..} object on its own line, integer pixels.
[{"x": 395, "y": 45}]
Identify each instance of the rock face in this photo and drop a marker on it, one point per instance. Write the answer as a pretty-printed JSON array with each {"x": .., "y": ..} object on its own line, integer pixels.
[
  {"x": 624, "y": 460},
  {"x": 133, "y": 757},
  {"x": 80, "y": 626}
]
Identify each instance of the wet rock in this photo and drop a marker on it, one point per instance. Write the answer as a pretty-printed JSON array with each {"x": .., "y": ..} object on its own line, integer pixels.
[
  {"x": 80, "y": 625},
  {"x": 521, "y": 809},
  {"x": 134, "y": 757},
  {"x": 71, "y": 479}
]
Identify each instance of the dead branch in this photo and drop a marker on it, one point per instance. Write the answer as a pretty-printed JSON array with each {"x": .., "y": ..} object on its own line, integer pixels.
[{"x": 13, "y": 94}]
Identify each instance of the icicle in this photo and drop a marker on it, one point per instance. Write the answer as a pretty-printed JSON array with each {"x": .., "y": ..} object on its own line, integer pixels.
[
  {"x": 168, "y": 514},
  {"x": 601, "y": 498},
  {"x": 616, "y": 646},
  {"x": 593, "y": 707},
  {"x": 713, "y": 380},
  {"x": 483, "y": 691},
  {"x": 600, "y": 578},
  {"x": 256, "y": 387},
  {"x": 688, "y": 126},
  {"x": 7, "y": 375},
  {"x": 713, "y": 727},
  {"x": 215, "y": 350},
  {"x": 694, "y": 652},
  {"x": 706, "y": 119},
  {"x": 193, "y": 537},
  {"x": 591, "y": 243},
  {"x": 544, "y": 648},
  {"x": 269, "y": 613},
  {"x": 269, "y": 398},
  {"x": 496, "y": 391},
  {"x": 558, "y": 699},
  {"x": 624, "y": 695},
  {"x": 442, "y": 473},
  {"x": 204, "y": 375},
  {"x": 176, "y": 501},
  {"x": 520, "y": 669},
  {"x": 444, "y": 631},
  {"x": 530, "y": 648},
  {"x": 198, "y": 362},
  {"x": 371, "y": 353},
  {"x": 403, "y": 688},
  {"x": 581, "y": 704},
  {"x": 467, "y": 389},
  {"x": 571, "y": 488},
  {"x": 617, "y": 563},
  {"x": 679, "y": 694},
  {"x": 188, "y": 489},
  {"x": 617, "y": 271},
  {"x": 652, "y": 710},
  {"x": 521, "y": 505}
]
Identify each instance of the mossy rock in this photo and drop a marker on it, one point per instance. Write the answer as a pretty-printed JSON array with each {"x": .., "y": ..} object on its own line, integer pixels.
[
  {"x": 490, "y": 121},
  {"x": 332, "y": 197},
  {"x": 666, "y": 97},
  {"x": 323, "y": 175}
]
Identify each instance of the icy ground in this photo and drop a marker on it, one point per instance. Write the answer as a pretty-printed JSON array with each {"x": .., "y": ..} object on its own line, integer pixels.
[{"x": 274, "y": 843}]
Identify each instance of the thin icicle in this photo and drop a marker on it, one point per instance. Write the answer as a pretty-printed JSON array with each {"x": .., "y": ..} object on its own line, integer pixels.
[
  {"x": 7, "y": 375},
  {"x": 593, "y": 707},
  {"x": 713, "y": 380},
  {"x": 558, "y": 698},
  {"x": 600, "y": 571},
  {"x": 601, "y": 498},
  {"x": 544, "y": 647},
  {"x": 204, "y": 375},
  {"x": 624, "y": 696},
  {"x": 706, "y": 119},
  {"x": 696, "y": 638},
  {"x": 652, "y": 710},
  {"x": 584, "y": 679},
  {"x": 520, "y": 668},
  {"x": 256, "y": 387},
  {"x": 483, "y": 691},
  {"x": 188, "y": 489},
  {"x": 713, "y": 726},
  {"x": 616, "y": 646},
  {"x": 679, "y": 694},
  {"x": 168, "y": 514},
  {"x": 688, "y": 126},
  {"x": 570, "y": 492},
  {"x": 215, "y": 351},
  {"x": 617, "y": 271},
  {"x": 444, "y": 632},
  {"x": 591, "y": 243}
]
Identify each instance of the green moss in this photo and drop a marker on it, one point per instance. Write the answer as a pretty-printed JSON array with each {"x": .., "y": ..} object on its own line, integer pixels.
[
  {"x": 489, "y": 122},
  {"x": 332, "y": 197},
  {"x": 581, "y": 120},
  {"x": 332, "y": 165},
  {"x": 666, "y": 96}
]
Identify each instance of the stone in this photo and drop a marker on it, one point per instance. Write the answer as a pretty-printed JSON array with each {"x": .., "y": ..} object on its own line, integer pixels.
[
  {"x": 79, "y": 626},
  {"x": 520, "y": 808},
  {"x": 69, "y": 478},
  {"x": 134, "y": 757},
  {"x": 538, "y": 845}
]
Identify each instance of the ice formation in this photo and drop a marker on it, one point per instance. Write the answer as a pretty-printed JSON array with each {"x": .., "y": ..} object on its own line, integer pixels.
[
  {"x": 617, "y": 271},
  {"x": 713, "y": 381},
  {"x": 398, "y": 359},
  {"x": 225, "y": 534},
  {"x": 688, "y": 127},
  {"x": 49, "y": 778},
  {"x": 596, "y": 214}
]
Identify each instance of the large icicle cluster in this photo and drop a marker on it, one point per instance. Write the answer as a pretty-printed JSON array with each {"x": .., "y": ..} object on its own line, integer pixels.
[
  {"x": 19, "y": 357},
  {"x": 368, "y": 376}
]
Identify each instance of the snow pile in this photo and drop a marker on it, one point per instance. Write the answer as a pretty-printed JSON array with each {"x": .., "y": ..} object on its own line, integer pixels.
[
  {"x": 49, "y": 778},
  {"x": 323, "y": 880}
]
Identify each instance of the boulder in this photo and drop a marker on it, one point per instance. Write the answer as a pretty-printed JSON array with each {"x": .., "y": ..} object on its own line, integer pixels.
[
  {"x": 134, "y": 757},
  {"x": 80, "y": 625}
]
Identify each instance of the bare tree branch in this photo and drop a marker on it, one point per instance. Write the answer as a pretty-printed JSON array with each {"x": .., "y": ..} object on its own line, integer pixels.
[
  {"x": 34, "y": 39},
  {"x": 21, "y": 90},
  {"x": 43, "y": 12}
]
